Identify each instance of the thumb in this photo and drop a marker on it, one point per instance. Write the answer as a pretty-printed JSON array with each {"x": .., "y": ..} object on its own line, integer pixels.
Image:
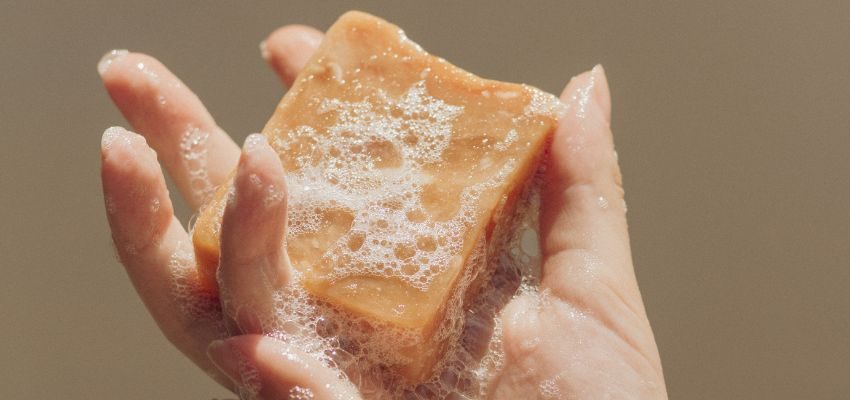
[
  {"x": 584, "y": 236},
  {"x": 266, "y": 368}
]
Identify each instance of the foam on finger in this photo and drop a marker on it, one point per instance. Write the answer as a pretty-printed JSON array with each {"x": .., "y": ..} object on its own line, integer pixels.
[{"x": 194, "y": 150}]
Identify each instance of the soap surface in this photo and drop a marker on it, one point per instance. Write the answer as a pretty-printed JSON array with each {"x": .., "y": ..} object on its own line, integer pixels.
[{"x": 401, "y": 169}]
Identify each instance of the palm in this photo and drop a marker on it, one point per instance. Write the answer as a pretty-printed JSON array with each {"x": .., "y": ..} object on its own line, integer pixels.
[
  {"x": 583, "y": 334},
  {"x": 561, "y": 352}
]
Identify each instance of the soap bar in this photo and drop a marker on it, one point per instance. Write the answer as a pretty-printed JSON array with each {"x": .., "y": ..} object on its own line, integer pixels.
[{"x": 401, "y": 168}]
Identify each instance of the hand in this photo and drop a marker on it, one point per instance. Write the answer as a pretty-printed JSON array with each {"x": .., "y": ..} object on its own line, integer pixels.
[{"x": 585, "y": 335}]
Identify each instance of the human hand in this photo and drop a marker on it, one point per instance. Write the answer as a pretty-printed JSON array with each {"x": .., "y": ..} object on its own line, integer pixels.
[{"x": 584, "y": 335}]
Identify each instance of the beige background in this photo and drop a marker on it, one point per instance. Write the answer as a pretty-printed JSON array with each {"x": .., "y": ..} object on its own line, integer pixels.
[{"x": 732, "y": 123}]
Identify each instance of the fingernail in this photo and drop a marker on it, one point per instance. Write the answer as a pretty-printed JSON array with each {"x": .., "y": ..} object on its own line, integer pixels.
[
  {"x": 109, "y": 58},
  {"x": 110, "y": 136},
  {"x": 253, "y": 142},
  {"x": 589, "y": 97},
  {"x": 116, "y": 135}
]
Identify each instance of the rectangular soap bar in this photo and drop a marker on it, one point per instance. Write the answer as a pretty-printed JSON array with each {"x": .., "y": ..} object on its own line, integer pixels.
[{"x": 400, "y": 168}]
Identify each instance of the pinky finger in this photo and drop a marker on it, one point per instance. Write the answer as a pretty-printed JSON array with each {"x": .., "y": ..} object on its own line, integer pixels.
[{"x": 288, "y": 49}]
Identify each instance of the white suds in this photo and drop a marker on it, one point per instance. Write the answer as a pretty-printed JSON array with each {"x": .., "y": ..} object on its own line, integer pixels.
[
  {"x": 300, "y": 393},
  {"x": 509, "y": 139},
  {"x": 195, "y": 303},
  {"x": 193, "y": 146},
  {"x": 544, "y": 104},
  {"x": 340, "y": 172},
  {"x": 374, "y": 164},
  {"x": 392, "y": 235}
]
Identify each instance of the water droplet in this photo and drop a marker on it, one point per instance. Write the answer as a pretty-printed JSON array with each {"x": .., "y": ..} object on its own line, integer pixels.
[
  {"x": 301, "y": 393},
  {"x": 255, "y": 180},
  {"x": 148, "y": 73},
  {"x": 548, "y": 389},
  {"x": 110, "y": 205}
]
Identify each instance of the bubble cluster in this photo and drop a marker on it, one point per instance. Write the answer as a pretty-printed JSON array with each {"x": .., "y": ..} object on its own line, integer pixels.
[
  {"x": 390, "y": 234},
  {"x": 195, "y": 303},
  {"x": 548, "y": 389},
  {"x": 193, "y": 148},
  {"x": 300, "y": 393},
  {"x": 363, "y": 350},
  {"x": 249, "y": 378},
  {"x": 375, "y": 163},
  {"x": 509, "y": 139},
  {"x": 543, "y": 103}
]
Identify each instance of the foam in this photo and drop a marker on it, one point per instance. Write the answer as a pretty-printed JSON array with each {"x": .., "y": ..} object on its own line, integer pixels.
[
  {"x": 543, "y": 103},
  {"x": 195, "y": 304},
  {"x": 509, "y": 139},
  {"x": 361, "y": 350},
  {"x": 338, "y": 175},
  {"x": 300, "y": 393},
  {"x": 249, "y": 378},
  {"x": 393, "y": 235},
  {"x": 548, "y": 389},
  {"x": 193, "y": 148}
]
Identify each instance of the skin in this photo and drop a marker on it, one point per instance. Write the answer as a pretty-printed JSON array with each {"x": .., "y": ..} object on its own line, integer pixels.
[{"x": 585, "y": 335}]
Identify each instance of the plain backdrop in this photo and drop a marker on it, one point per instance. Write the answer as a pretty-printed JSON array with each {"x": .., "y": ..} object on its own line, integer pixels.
[{"x": 731, "y": 119}]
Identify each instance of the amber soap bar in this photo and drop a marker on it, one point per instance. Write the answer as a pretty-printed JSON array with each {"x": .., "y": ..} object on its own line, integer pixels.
[{"x": 400, "y": 168}]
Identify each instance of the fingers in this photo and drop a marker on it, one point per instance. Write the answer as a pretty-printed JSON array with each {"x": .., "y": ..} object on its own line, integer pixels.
[
  {"x": 584, "y": 237},
  {"x": 137, "y": 202},
  {"x": 288, "y": 49},
  {"x": 253, "y": 259},
  {"x": 154, "y": 247},
  {"x": 265, "y": 368},
  {"x": 194, "y": 150}
]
